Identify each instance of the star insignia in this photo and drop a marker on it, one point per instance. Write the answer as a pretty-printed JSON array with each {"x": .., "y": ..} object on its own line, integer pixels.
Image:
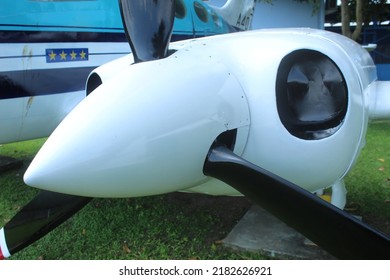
[
  {"x": 83, "y": 54},
  {"x": 63, "y": 55},
  {"x": 52, "y": 55},
  {"x": 73, "y": 55},
  {"x": 67, "y": 55}
]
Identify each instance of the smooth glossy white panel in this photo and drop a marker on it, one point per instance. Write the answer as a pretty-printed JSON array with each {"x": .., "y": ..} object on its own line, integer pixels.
[{"x": 148, "y": 133}]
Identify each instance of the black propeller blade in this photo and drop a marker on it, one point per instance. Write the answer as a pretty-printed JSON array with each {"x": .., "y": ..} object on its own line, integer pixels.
[
  {"x": 334, "y": 230},
  {"x": 43, "y": 214},
  {"x": 148, "y": 26}
]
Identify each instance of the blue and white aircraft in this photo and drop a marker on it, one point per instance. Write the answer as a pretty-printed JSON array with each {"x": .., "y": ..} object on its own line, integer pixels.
[{"x": 48, "y": 49}]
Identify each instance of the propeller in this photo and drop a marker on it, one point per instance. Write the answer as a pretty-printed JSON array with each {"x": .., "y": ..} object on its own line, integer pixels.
[
  {"x": 156, "y": 17},
  {"x": 40, "y": 216},
  {"x": 334, "y": 230},
  {"x": 49, "y": 209}
]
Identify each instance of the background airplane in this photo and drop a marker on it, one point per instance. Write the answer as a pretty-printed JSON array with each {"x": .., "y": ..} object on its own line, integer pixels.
[
  {"x": 48, "y": 49},
  {"x": 276, "y": 139}
]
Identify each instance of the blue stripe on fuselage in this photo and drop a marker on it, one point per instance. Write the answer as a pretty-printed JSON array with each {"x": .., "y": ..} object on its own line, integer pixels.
[
  {"x": 15, "y": 84},
  {"x": 33, "y": 82},
  {"x": 72, "y": 37}
]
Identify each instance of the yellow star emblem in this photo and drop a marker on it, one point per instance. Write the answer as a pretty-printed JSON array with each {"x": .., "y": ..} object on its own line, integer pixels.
[
  {"x": 52, "y": 55},
  {"x": 83, "y": 54},
  {"x": 63, "y": 55},
  {"x": 73, "y": 55}
]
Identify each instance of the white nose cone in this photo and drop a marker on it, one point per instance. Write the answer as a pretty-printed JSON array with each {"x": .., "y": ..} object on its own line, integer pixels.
[{"x": 147, "y": 131}]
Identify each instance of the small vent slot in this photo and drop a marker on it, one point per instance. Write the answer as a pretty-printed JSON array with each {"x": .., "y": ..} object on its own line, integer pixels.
[
  {"x": 93, "y": 82},
  {"x": 227, "y": 139}
]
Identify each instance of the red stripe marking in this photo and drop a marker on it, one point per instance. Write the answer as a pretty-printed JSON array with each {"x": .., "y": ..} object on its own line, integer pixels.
[{"x": 1, "y": 255}]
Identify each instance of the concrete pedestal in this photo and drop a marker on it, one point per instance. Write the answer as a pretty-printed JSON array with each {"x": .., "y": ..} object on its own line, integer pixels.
[{"x": 260, "y": 231}]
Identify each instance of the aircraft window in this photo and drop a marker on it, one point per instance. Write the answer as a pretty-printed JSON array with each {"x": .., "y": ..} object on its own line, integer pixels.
[
  {"x": 311, "y": 94},
  {"x": 201, "y": 12},
  {"x": 180, "y": 9}
]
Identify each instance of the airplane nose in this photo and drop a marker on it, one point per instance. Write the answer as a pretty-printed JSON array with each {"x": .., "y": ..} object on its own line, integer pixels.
[{"x": 145, "y": 131}]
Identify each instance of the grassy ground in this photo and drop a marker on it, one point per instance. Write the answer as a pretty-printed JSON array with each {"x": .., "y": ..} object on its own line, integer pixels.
[{"x": 178, "y": 226}]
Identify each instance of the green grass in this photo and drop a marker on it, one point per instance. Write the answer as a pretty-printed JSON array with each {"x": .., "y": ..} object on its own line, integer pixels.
[
  {"x": 178, "y": 226},
  {"x": 368, "y": 183}
]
